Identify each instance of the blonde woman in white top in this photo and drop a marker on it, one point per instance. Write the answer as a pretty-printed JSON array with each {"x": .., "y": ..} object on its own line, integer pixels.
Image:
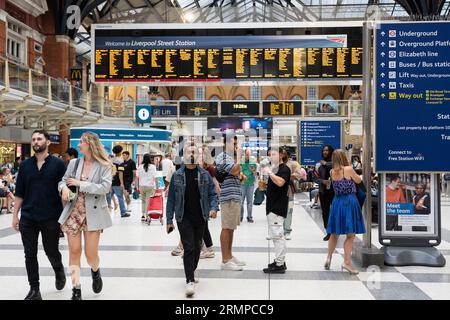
[{"x": 148, "y": 182}]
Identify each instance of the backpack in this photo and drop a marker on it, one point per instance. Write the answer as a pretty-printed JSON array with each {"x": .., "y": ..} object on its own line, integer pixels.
[{"x": 220, "y": 175}]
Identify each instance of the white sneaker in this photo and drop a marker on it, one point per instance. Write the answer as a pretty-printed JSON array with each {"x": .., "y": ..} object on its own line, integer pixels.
[
  {"x": 190, "y": 289},
  {"x": 238, "y": 262},
  {"x": 207, "y": 253},
  {"x": 287, "y": 236},
  {"x": 196, "y": 276},
  {"x": 230, "y": 265},
  {"x": 268, "y": 238}
]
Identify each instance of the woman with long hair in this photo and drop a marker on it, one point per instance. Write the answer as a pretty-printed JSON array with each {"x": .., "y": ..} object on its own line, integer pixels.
[
  {"x": 148, "y": 182},
  {"x": 84, "y": 188},
  {"x": 326, "y": 193},
  {"x": 345, "y": 215}
]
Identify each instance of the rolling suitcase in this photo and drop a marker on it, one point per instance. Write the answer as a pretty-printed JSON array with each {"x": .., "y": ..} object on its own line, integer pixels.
[{"x": 155, "y": 208}]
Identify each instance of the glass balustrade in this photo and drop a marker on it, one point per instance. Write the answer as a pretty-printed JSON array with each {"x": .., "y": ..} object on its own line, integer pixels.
[
  {"x": 39, "y": 82},
  {"x": 18, "y": 77},
  {"x": 2, "y": 72}
]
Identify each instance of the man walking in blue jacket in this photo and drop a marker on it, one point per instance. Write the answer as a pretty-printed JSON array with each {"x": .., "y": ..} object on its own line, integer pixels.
[{"x": 193, "y": 199}]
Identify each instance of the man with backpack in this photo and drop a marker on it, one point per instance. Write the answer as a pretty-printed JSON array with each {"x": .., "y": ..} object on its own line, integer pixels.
[{"x": 118, "y": 185}]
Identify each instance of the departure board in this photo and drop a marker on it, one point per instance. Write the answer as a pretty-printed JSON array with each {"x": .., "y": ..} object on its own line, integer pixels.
[
  {"x": 143, "y": 63},
  {"x": 214, "y": 63},
  {"x": 356, "y": 69},
  {"x": 101, "y": 64},
  {"x": 282, "y": 108},
  {"x": 285, "y": 63},
  {"x": 343, "y": 62},
  {"x": 256, "y": 63},
  {"x": 241, "y": 63},
  {"x": 129, "y": 63},
  {"x": 199, "y": 63},
  {"x": 157, "y": 64},
  {"x": 328, "y": 62},
  {"x": 185, "y": 64},
  {"x": 314, "y": 62},
  {"x": 115, "y": 64},
  {"x": 239, "y": 108},
  {"x": 228, "y": 64},
  {"x": 271, "y": 63},
  {"x": 172, "y": 61},
  {"x": 198, "y": 109},
  {"x": 300, "y": 63}
]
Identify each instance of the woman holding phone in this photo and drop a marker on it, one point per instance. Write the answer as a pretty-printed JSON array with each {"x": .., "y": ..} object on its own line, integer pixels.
[{"x": 86, "y": 211}]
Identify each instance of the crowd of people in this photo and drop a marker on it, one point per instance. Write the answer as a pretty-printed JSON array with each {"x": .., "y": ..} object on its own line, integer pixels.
[{"x": 74, "y": 194}]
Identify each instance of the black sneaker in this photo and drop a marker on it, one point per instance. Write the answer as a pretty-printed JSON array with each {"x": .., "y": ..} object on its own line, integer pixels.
[
  {"x": 60, "y": 279},
  {"x": 76, "y": 294},
  {"x": 275, "y": 269},
  {"x": 250, "y": 220},
  {"x": 126, "y": 215},
  {"x": 33, "y": 294},
  {"x": 274, "y": 264}
]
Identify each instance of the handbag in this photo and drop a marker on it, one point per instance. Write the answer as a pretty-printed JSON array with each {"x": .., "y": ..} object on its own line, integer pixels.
[
  {"x": 136, "y": 193},
  {"x": 361, "y": 193},
  {"x": 73, "y": 190},
  {"x": 259, "y": 197}
]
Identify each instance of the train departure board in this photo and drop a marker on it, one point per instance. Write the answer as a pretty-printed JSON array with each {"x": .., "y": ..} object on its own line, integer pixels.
[
  {"x": 139, "y": 57},
  {"x": 314, "y": 62},
  {"x": 282, "y": 108},
  {"x": 198, "y": 109},
  {"x": 239, "y": 108}
]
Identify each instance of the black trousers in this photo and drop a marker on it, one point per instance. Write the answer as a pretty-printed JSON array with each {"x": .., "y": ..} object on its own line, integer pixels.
[
  {"x": 29, "y": 231},
  {"x": 207, "y": 236},
  {"x": 191, "y": 233},
  {"x": 325, "y": 204}
]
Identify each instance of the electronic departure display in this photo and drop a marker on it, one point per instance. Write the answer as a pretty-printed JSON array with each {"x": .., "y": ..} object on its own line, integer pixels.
[
  {"x": 282, "y": 108},
  {"x": 130, "y": 56},
  {"x": 240, "y": 108},
  {"x": 198, "y": 109}
]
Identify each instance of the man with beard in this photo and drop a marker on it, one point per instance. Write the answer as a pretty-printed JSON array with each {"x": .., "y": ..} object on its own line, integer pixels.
[{"x": 40, "y": 205}]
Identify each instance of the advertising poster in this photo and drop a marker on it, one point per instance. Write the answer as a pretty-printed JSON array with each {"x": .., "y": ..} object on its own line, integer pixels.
[
  {"x": 408, "y": 204},
  {"x": 327, "y": 107}
]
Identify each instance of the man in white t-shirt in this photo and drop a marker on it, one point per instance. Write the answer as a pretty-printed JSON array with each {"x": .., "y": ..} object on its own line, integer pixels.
[{"x": 167, "y": 165}]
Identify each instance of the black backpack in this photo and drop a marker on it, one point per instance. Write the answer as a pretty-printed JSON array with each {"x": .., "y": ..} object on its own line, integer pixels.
[{"x": 220, "y": 175}]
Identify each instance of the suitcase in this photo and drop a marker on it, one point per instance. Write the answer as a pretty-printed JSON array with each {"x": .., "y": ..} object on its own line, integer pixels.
[{"x": 155, "y": 208}]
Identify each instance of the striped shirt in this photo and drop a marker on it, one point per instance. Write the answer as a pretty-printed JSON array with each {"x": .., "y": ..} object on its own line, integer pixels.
[{"x": 231, "y": 186}]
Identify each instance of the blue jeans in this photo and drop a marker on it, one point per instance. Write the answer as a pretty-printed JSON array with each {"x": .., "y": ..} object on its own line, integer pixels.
[
  {"x": 247, "y": 192},
  {"x": 117, "y": 190}
]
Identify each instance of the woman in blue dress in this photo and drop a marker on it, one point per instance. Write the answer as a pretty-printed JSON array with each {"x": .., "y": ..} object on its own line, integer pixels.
[{"x": 345, "y": 215}]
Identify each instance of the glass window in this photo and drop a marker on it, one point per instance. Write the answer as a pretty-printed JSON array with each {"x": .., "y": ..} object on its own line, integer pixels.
[
  {"x": 312, "y": 93},
  {"x": 297, "y": 97},
  {"x": 256, "y": 93},
  {"x": 214, "y": 98},
  {"x": 239, "y": 98},
  {"x": 183, "y": 98},
  {"x": 199, "y": 93},
  {"x": 271, "y": 97}
]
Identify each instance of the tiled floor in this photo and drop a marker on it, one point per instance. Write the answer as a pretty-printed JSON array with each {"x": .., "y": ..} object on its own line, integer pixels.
[{"x": 136, "y": 264}]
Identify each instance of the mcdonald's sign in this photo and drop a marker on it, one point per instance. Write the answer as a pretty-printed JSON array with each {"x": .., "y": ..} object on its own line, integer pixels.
[{"x": 76, "y": 74}]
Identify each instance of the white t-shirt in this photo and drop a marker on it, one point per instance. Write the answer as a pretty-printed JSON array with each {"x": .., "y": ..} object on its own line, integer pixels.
[
  {"x": 146, "y": 179},
  {"x": 166, "y": 164}
]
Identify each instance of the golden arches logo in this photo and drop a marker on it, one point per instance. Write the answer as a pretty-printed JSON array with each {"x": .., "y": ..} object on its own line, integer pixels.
[{"x": 76, "y": 74}]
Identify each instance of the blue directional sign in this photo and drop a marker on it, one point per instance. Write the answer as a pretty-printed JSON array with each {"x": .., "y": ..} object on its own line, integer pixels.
[
  {"x": 314, "y": 135},
  {"x": 143, "y": 114},
  {"x": 413, "y": 97}
]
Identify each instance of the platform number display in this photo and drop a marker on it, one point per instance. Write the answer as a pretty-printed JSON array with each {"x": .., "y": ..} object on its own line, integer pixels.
[{"x": 143, "y": 114}]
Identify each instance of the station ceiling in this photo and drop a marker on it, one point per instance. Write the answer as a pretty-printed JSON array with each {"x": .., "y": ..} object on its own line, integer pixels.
[{"x": 226, "y": 11}]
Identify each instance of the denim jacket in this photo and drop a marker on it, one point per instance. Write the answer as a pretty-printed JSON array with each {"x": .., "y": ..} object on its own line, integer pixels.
[{"x": 175, "y": 198}]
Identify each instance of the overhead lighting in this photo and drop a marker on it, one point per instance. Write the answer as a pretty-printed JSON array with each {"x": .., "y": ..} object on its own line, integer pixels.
[{"x": 189, "y": 17}]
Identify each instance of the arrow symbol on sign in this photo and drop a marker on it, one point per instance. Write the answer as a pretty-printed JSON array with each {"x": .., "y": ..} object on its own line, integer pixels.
[
  {"x": 383, "y": 54},
  {"x": 383, "y": 85},
  {"x": 383, "y": 64},
  {"x": 382, "y": 75},
  {"x": 383, "y": 44},
  {"x": 383, "y": 95},
  {"x": 383, "y": 33}
]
